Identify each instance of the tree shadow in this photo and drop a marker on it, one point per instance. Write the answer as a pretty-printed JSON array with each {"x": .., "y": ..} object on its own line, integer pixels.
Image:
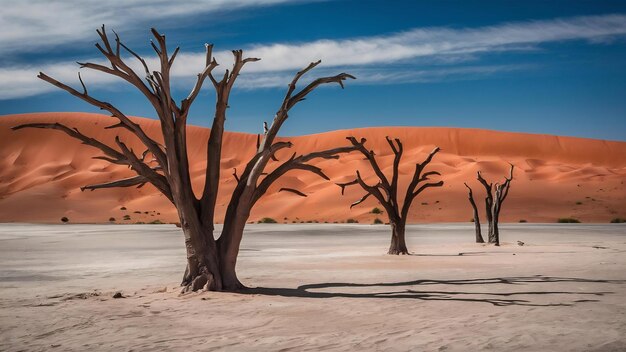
[
  {"x": 413, "y": 291},
  {"x": 467, "y": 254}
]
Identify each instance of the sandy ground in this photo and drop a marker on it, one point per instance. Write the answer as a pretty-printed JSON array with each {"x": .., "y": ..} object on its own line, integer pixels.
[{"x": 319, "y": 287}]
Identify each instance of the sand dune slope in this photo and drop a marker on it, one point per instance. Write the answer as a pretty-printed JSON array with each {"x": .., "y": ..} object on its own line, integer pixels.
[{"x": 41, "y": 173}]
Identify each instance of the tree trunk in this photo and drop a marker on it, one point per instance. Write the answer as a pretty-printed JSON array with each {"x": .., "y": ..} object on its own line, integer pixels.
[
  {"x": 479, "y": 236},
  {"x": 203, "y": 269},
  {"x": 228, "y": 248},
  {"x": 489, "y": 214},
  {"x": 494, "y": 236},
  {"x": 229, "y": 242},
  {"x": 398, "y": 243},
  {"x": 211, "y": 270}
]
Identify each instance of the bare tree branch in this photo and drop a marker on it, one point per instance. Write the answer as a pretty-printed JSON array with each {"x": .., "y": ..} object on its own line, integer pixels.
[
  {"x": 138, "y": 181},
  {"x": 292, "y": 99},
  {"x": 360, "y": 200},
  {"x": 214, "y": 146},
  {"x": 124, "y": 120},
  {"x": 114, "y": 154},
  {"x": 295, "y": 191},
  {"x": 346, "y": 184},
  {"x": 299, "y": 163}
]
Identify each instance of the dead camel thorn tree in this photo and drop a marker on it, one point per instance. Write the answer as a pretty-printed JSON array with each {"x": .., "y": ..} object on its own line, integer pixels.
[
  {"x": 211, "y": 263},
  {"x": 494, "y": 198},
  {"x": 386, "y": 192}
]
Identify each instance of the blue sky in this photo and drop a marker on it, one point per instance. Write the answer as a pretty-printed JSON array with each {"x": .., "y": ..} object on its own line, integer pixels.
[{"x": 555, "y": 67}]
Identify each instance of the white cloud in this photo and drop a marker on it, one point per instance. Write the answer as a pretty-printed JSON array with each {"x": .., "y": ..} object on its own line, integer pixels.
[
  {"x": 280, "y": 60},
  {"x": 34, "y": 25}
]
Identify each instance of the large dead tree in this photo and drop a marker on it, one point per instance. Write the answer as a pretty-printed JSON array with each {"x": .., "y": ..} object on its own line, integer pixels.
[
  {"x": 386, "y": 191},
  {"x": 494, "y": 198},
  {"x": 211, "y": 263},
  {"x": 476, "y": 218}
]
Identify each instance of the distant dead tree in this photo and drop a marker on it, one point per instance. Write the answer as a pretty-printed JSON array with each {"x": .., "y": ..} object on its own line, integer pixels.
[
  {"x": 493, "y": 206},
  {"x": 476, "y": 218},
  {"x": 386, "y": 192},
  {"x": 210, "y": 263}
]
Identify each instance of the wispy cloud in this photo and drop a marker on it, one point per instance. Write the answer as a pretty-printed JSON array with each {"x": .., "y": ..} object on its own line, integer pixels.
[
  {"x": 386, "y": 75},
  {"x": 35, "y": 25},
  {"x": 366, "y": 54}
]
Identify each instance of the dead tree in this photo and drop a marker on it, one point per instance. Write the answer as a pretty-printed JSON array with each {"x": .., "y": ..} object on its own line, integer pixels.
[
  {"x": 479, "y": 236},
  {"x": 386, "y": 192},
  {"x": 493, "y": 203},
  {"x": 210, "y": 262}
]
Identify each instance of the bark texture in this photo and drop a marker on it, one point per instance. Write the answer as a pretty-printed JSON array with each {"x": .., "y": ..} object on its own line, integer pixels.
[
  {"x": 211, "y": 263},
  {"x": 479, "y": 236},
  {"x": 386, "y": 190}
]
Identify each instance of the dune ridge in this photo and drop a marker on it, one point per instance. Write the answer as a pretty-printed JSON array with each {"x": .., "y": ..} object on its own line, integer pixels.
[{"x": 41, "y": 172}]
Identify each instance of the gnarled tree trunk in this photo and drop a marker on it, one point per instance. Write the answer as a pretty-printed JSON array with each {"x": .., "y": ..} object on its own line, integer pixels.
[{"x": 398, "y": 241}]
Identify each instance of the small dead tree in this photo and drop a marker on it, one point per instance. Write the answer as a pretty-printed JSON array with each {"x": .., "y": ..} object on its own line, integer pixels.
[
  {"x": 386, "y": 192},
  {"x": 493, "y": 203},
  {"x": 479, "y": 236},
  {"x": 210, "y": 263}
]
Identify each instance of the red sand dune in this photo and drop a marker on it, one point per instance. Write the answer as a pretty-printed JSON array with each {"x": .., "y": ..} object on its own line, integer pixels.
[{"x": 41, "y": 172}]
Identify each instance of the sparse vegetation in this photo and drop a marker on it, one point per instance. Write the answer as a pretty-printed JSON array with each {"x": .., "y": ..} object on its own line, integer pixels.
[
  {"x": 377, "y": 221},
  {"x": 111, "y": 219},
  {"x": 156, "y": 222},
  {"x": 123, "y": 208},
  {"x": 522, "y": 220},
  {"x": 267, "y": 221},
  {"x": 377, "y": 211},
  {"x": 579, "y": 203},
  {"x": 568, "y": 221},
  {"x": 65, "y": 219},
  {"x": 352, "y": 221},
  {"x": 126, "y": 217},
  {"x": 137, "y": 212},
  {"x": 618, "y": 220}
]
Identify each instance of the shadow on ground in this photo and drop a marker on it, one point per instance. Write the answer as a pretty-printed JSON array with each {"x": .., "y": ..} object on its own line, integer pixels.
[{"x": 413, "y": 290}]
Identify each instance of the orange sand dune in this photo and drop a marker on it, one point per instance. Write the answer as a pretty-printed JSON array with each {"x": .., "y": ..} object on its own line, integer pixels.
[{"x": 41, "y": 172}]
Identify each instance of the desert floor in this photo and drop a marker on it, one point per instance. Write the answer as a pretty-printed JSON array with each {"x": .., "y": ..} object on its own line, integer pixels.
[{"x": 319, "y": 287}]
